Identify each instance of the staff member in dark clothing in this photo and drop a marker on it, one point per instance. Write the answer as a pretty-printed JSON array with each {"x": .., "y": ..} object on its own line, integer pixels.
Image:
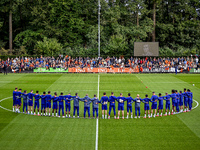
[
  {"x": 5, "y": 68},
  {"x": 1, "y": 67}
]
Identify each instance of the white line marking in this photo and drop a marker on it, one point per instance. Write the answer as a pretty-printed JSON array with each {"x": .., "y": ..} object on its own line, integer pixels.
[
  {"x": 97, "y": 123},
  {"x": 98, "y": 86},
  {"x": 196, "y": 105},
  {"x": 2, "y": 106}
]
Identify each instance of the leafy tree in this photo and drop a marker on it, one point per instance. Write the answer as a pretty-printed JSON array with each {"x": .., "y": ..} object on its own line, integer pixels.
[{"x": 48, "y": 47}]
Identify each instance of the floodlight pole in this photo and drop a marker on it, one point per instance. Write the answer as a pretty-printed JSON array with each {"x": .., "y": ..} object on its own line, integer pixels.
[{"x": 99, "y": 8}]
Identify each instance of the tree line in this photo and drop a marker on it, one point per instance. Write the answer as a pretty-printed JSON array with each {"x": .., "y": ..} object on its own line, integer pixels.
[{"x": 52, "y": 27}]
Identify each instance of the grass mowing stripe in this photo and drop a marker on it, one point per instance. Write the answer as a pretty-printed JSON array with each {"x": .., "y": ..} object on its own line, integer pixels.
[
  {"x": 39, "y": 132},
  {"x": 191, "y": 119},
  {"x": 73, "y": 131},
  {"x": 6, "y": 91},
  {"x": 154, "y": 133}
]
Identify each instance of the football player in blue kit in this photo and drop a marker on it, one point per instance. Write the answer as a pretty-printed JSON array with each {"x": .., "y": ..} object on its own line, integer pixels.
[
  {"x": 121, "y": 100},
  {"x": 68, "y": 103},
  {"x": 160, "y": 107},
  {"x": 14, "y": 99},
  {"x": 30, "y": 102},
  {"x": 137, "y": 100},
  {"x": 37, "y": 104},
  {"x": 43, "y": 102},
  {"x": 104, "y": 101},
  {"x": 112, "y": 105},
  {"x": 18, "y": 101},
  {"x": 167, "y": 105},
  {"x": 48, "y": 103},
  {"x": 61, "y": 105},
  {"x": 55, "y": 104},
  {"x": 129, "y": 105},
  {"x": 185, "y": 96},
  {"x": 181, "y": 101},
  {"x": 146, "y": 101},
  {"x": 154, "y": 100}
]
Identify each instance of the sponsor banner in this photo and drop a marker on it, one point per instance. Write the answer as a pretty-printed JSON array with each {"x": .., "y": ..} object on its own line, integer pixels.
[
  {"x": 171, "y": 70},
  {"x": 50, "y": 70},
  {"x": 193, "y": 70},
  {"x": 103, "y": 70},
  {"x": 111, "y": 70}
]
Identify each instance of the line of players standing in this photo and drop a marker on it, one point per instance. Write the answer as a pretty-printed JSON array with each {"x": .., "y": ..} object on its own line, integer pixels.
[{"x": 58, "y": 103}]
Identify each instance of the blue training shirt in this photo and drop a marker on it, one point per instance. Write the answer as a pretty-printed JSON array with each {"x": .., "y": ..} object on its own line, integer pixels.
[
  {"x": 112, "y": 100},
  {"x": 30, "y": 96},
  {"x": 137, "y": 100},
  {"x": 18, "y": 95},
  {"x": 160, "y": 99},
  {"x": 129, "y": 101},
  {"x": 61, "y": 99},
  {"x": 43, "y": 99},
  {"x": 190, "y": 96},
  {"x": 37, "y": 97},
  {"x": 154, "y": 99},
  {"x": 146, "y": 100},
  {"x": 104, "y": 100},
  {"x": 49, "y": 97},
  {"x": 177, "y": 98},
  {"x": 173, "y": 96},
  {"x": 55, "y": 99},
  {"x": 14, "y": 95},
  {"x": 185, "y": 95},
  {"x": 121, "y": 100},
  {"x": 68, "y": 99},
  {"x": 167, "y": 98},
  {"x": 180, "y": 97}
]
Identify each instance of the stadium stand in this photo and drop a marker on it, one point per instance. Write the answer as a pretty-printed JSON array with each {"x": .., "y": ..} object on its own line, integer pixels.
[{"x": 109, "y": 64}]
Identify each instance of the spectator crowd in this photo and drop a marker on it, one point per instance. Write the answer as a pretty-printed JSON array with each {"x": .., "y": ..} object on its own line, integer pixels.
[{"x": 29, "y": 63}]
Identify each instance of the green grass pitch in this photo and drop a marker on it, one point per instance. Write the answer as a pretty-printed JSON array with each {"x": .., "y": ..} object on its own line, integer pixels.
[{"x": 21, "y": 131}]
